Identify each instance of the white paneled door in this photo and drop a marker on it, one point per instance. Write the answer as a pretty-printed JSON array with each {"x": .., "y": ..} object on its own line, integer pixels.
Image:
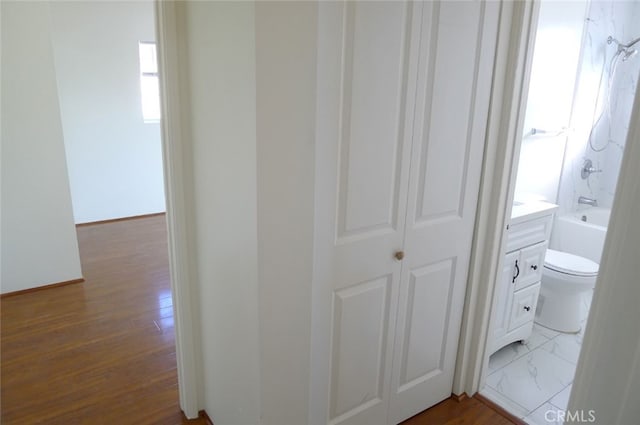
[{"x": 403, "y": 94}]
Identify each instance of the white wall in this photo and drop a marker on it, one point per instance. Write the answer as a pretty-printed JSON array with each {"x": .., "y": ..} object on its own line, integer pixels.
[
  {"x": 250, "y": 74},
  {"x": 286, "y": 40},
  {"x": 39, "y": 243},
  {"x": 114, "y": 158},
  {"x": 553, "y": 75},
  {"x": 219, "y": 67}
]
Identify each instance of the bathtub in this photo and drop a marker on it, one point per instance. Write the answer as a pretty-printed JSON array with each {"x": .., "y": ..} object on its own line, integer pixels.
[{"x": 581, "y": 232}]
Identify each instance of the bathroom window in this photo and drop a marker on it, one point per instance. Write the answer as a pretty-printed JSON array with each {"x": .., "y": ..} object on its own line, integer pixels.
[{"x": 149, "y": 84}]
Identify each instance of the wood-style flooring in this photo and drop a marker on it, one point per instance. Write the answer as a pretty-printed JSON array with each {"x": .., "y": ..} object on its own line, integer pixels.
[
  {"x": 103, "y": 351},
  {"x": 470, "y": 411},
  {"x": 98, "y": 352}
]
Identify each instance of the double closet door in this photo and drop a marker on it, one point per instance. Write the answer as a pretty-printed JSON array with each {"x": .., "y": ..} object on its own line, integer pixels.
[{"x": 403, "y": 96}]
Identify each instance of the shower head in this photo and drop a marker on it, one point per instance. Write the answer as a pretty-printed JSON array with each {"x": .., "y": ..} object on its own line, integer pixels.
[{"x": 624, "y": 49}]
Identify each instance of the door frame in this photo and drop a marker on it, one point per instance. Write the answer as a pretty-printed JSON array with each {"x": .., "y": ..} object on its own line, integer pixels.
[
  {"x": 177, "y": 158},
  {"x": 515, "y": 51},
  {"x": 516, "y": 37}
]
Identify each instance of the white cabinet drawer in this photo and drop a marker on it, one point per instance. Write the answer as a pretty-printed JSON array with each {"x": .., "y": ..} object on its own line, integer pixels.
[
  {"x": 530, "y": 265},
  {"x": 523, "y": 307},
  {"x": 529, "y": 233},
  {"x": 502, "y": 312}
]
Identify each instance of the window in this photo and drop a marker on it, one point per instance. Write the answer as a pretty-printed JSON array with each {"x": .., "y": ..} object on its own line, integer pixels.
[{"x": 149, "y": 85}]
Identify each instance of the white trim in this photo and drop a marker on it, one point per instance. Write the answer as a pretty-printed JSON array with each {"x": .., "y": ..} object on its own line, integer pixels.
[
  {"x": 178, "y": 186},
  {"x": 509, "y": 92}
]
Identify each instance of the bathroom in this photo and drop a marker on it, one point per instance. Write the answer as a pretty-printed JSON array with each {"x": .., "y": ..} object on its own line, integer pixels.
[{"x": 584, "y": 75}]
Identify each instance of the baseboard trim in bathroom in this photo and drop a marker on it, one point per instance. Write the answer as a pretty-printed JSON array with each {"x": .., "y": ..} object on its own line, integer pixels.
[{"x": 516, "y": 420}]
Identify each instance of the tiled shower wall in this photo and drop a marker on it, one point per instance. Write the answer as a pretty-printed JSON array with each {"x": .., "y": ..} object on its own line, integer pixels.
[{"x": 597, "y": 86}]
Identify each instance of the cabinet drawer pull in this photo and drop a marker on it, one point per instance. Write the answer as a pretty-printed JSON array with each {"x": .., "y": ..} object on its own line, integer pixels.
[
  {"x": 527, "y": 308},
  {"x": 517, "y": 273},
  {"x": 534, "y": 267}
]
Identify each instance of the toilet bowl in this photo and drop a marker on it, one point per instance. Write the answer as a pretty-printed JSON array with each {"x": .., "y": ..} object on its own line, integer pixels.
[{"x": 565, "y": 277}]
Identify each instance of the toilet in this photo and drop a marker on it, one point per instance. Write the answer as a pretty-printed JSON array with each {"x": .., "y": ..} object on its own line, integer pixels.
[{"x": 565, "y": 277}]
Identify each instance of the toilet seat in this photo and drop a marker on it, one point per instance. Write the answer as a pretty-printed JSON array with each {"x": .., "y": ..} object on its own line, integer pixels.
[{"x": 570, "y": 264}]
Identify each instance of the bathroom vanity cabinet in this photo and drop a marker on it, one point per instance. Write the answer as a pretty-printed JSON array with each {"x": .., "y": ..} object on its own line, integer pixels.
[{"x": 519, "y": 284}]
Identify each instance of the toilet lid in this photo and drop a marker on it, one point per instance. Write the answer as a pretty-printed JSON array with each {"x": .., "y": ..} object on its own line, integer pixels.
[{"x": 564, "y": 262}]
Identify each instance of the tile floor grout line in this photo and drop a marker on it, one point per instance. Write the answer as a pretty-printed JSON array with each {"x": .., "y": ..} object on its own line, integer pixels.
[
  {"x": 549, "y": 401},
  {"x": 538, "y": 348}
]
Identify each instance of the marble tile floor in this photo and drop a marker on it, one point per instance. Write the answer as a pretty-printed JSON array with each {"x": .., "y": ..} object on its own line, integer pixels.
[{"x": 533, "y": 380}]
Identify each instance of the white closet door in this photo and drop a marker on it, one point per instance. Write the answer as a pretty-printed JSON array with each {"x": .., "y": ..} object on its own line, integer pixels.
[
  {"x": 402, "y": 104},
  {"x": 365, "y": 120},
  {"x": 454, "y": 78}
]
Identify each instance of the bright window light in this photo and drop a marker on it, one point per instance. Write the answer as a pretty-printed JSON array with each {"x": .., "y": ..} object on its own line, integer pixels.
[{"x": 149, "y": 84}]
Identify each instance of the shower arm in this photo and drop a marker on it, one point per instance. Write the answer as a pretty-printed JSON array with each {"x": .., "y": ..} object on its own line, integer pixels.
[
  {"x": 631, "y": 43},
  {"x": 620, "y": 45}
]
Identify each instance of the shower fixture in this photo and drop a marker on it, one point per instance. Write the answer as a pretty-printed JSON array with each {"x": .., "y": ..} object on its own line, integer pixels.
[
  {"x": 587, "y": 201},
  {"x": 588, "y": 169},
  {"x": 624, "y": 52},
  {"x": 624, "y": 49}
]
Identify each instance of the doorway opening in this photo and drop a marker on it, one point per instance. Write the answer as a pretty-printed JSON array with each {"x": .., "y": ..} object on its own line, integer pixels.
[
  {"x": 113, "y": 335},
  {"x": 583, "y": 81},
  {"x": 108, "y": 86}
]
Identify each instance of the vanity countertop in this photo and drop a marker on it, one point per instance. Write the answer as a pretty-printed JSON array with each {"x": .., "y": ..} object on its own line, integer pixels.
[{"x": 523, "y": 211}]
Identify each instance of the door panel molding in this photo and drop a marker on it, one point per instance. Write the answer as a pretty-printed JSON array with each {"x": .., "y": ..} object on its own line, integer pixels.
[
  {"x": 368, "y": 176},
  {"x": 429, "y": 288},
  {"x": 359, "y": 346}
]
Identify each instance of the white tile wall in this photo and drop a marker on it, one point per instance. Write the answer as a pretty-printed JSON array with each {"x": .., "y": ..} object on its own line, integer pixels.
[{"x": 620, "y": 19}]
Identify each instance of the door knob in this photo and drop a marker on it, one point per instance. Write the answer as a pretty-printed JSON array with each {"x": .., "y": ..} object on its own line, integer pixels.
[
  {"x": 534, "y": 267},
  {"x": 399, "y": 255},
  {"x": 527, "y": 308}
]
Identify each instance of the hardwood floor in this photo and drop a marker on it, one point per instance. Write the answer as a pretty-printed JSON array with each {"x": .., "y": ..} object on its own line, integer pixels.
[
  {"x": 98, "y": 352},
  {"x": 102, "y": 351},
  {"x": 471, "y": 411}
]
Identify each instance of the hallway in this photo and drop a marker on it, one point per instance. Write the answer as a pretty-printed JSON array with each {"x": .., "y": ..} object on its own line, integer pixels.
[{"x": 103, "y": 351}]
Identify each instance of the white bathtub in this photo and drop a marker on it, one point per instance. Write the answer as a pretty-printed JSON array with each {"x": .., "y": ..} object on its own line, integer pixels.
[{"x": 581, "y": 233}]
